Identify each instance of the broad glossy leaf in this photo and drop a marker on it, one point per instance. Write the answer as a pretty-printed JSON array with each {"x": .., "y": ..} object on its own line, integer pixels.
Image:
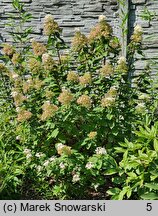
[
  {"x": 151, "y": 186},
  {"x": 113, "y": 191},
  {"x": 156, "y": 145},
  {"x": 149, "y": 196}
]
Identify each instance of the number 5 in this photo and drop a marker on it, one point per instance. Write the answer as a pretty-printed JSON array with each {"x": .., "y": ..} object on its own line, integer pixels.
[{"x": 149, "y": 207}]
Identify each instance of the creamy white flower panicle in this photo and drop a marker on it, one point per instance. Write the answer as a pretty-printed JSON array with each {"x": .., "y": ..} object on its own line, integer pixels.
[
  {"x": 45, "y": 57},
  {"x": 138, "y": 29},
  {"x": 48, "y": 18},
  {"x": 76, "y": 178},
  {"x": 77, "y": 29},
  {"x": 102, "y": 18},
  {"x": 32, "y": 40},
  {"x": 14, "y": 94},
  {"x": 89, "y": 165},
  {"x": 100, "y": 151},
  {"x": 121, "y": 60},
  {"x": 60, "y": 146},
  {"x": 18, "y": 109}
]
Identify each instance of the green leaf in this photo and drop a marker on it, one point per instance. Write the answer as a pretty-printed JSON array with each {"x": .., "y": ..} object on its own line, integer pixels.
[
  {"x": 55, "y": 133},
  {"x": 156, "y": 145},
  {"x": 113, "y": 191},
  {"x": 110, "y": 171},
  {"x": 99, "y": 164},
  {"x": 123, "y": 192},
  {"x": 149, "y": 196},
  {"x": 151, "y": 186},
  {"x": 129, "y": 193},
  {"x": 110, "y": 166},
  {"x": 109, "y": 116}
]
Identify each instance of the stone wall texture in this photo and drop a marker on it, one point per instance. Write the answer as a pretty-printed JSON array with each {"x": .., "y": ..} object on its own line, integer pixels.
[
  {"x": 84, "y": 14},
  {"x": 150, "y": 29},
  {"x": 69, "y": 14}
]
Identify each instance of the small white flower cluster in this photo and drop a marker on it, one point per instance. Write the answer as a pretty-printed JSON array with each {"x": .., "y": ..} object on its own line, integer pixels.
[
  {"x": 89, "y": 165},
  {"x": 39, "y": 154},
  {"x": 39, "y": 168},
  {"x": 52, "y": 158},
  {"x": 100, "y": 151},
  {"x": 48, "y": 161},
  {"x": 28, "y": 153},
  {"x": 62, "y": 165},
  {"x": 144, "y": 96},
  {"x": 76, "y": 178},
  {"x": 18, "y": 138},
  {"x": 18, "y": 109},
  {"x": 140, "y": 107}
]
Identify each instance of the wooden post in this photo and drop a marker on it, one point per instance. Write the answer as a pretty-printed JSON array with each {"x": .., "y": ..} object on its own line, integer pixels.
[{"x": 123, "y": 14}]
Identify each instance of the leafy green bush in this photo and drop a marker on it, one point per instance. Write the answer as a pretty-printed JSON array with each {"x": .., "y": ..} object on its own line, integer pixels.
[
  {"x": 69, "y": 109},
  {"x": 138, "y": 176}
]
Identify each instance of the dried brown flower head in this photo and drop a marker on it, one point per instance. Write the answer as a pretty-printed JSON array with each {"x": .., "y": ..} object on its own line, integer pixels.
[
  {"x": 79, "y": 41},
  {"x": 48, "y": 62},
  {"x": 63, "y": 149},
  {"x": 49, "y": 94},
  {"x": 72, "y": 76},
  {"x": 37, "y": 83},
  {"x": 8, "y": 49},
  {"x": 102, "y": 29},
  {"x": 24, "y": 115},
  {"x": 4, "y": 70},
  {"x": 137, "y": 34},
  {"x": 16, "y": 59},
  {"x": 85, "y": 79},
  {"x": 65, "y": 97},
  {"x": 85, "y": 101},
  {"x": 92, "y": 135},
  {"x": 49, "y": 110},
  {"x": 50, "y": 26},
  {"x": 18, "y": 97},
  {"x": 109, "y": 99},
  {"x": 106, "y": 70},
  {"x": 122, "y": 65},
  {"x": 34, "y": 66},
  {"x": 38, "y": 48}
]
